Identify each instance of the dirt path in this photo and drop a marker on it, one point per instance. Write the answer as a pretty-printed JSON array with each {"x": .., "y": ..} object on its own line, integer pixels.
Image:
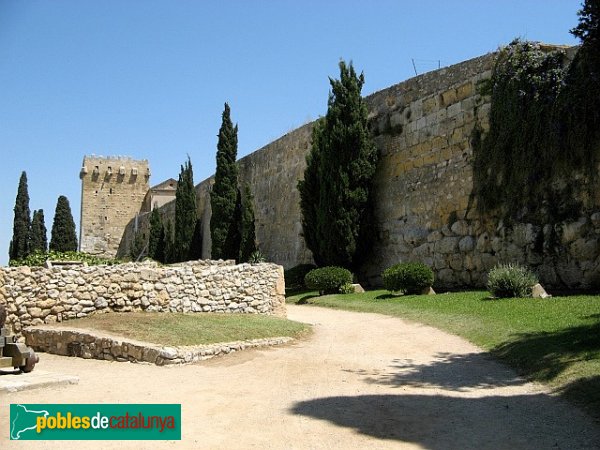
[{"x": 360, "y": 381}]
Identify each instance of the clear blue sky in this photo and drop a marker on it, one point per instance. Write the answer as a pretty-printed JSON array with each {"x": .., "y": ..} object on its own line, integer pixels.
[{"x": 148, "y": 78}]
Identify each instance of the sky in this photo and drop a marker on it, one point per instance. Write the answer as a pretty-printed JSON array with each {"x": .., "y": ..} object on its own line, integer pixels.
[{"x": 149, "y": 78}]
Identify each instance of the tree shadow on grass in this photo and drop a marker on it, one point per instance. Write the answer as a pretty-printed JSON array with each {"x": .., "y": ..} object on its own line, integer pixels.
[
  {"x": 304, "y": 300},
  {"x": 445, "y": 422},
  {"x": 545, "y": 356},
  {"x": 388, "y": 296}
]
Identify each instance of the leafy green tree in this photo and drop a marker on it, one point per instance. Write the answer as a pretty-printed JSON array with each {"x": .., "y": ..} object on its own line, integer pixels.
[
  {"x": 185, "y": 212},
  {"x": 19, "y": 246},
  {"x": 224, "y": 192},
  {"x": 63, "y": 228},
  {"x": 156, "y": 234},
  {"x": 337, "y": 187},
  {"x": 248, "y": 245},
  {"x": 38, "y": 240}
]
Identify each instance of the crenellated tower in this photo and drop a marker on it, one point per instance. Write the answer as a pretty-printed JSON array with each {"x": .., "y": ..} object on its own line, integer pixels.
[{"x": 112, "y": 193}]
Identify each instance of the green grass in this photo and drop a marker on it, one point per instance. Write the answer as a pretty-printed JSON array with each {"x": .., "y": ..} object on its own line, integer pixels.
[
  {"x": 555, "y": 340},
  {"x": 190, "y": 329}
]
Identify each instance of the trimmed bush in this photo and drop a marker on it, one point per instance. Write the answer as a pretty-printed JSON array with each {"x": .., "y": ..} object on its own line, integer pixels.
[
  {"x": 511, "y": 280},
  {"x": 347, "y": 288},
  {"x": 294, "y": 277},
  {"x": 327, "y": 280},
  {"x": 409, "y": 278}
]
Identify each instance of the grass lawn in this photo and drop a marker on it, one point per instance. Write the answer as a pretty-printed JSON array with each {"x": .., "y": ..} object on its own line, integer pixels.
[
  {"x": 190, "y": 329},
  {"x": 554, "y": 340}
]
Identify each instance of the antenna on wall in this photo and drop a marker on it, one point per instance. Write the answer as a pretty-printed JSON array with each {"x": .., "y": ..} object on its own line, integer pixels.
[{"x": 425, "y": 61}]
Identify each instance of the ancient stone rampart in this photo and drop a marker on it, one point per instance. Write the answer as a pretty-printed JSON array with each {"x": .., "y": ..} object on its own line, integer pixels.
[
  {"x": 424, "y": 199},
  {"x": 37, "y": 295}
]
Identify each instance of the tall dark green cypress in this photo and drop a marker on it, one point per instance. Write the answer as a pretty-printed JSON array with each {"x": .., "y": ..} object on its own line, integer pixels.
[
  {"x": 169, "y": 250},
  {"x": 156, "y": 230},
  {"x": 225, "y": 190},
  {"x": 248, "y": 245},
  {"x": 338, "y": 180},
  {"x": 63, "y": 238},
  {"x": 185, "y": 212},
  {"x": 19, "y": 246},
  {"x": 233, "y": 240},
  {"x": 38, "y": 241},
  {"x": 196, "y": 246}
]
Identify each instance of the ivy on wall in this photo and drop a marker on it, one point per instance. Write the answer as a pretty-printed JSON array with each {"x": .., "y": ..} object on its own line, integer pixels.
[{"x": 538, "y": 160}]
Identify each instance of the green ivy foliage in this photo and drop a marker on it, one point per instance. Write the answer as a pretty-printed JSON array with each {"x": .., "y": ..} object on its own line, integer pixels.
[{"x": 39, "y": 259}]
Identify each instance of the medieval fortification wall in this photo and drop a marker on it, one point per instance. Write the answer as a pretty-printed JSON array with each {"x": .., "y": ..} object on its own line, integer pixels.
[{"x": 425, "y": 206}]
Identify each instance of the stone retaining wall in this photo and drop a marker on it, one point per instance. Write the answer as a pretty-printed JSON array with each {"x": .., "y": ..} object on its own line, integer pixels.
[
  {"x": 87, "y": 344},
  {"x": 37, "y": 295}
]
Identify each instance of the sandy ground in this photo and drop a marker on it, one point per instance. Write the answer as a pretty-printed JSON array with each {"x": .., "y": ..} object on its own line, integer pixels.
[{"x": 359, "y": 381}]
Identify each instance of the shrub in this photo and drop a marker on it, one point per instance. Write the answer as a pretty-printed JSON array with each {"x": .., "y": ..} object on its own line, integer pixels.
[
  {"x": 294, "y": 277},
  {"x": 510, "y": 280},
  {"x": 257, "y": 257},
  {"x": 410, "y": 278},
  {"x": 347, "y": 288},
  {"x": 327, "y": 280},
  {"x": 39, "y": 259}
]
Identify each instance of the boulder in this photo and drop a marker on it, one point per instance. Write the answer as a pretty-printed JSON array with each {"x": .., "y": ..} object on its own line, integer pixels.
[
  {"x": 538, "y": 291},
  {"x": 358, "y": 289},
  {"x": 428, "y": 291}
]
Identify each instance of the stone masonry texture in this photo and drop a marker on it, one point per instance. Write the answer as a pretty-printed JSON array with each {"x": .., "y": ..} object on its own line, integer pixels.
[
  {"x": 37, "y": 295},
  {"x": 425, "y": 207}
]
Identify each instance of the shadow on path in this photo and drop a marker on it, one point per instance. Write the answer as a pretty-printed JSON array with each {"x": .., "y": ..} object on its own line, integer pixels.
[
  {"x": 449, "y": 371},
  {"x": 442, "y": 422}
]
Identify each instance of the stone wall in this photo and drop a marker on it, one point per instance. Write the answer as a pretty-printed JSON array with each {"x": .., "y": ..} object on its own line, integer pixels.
[
  {"x": 36, "y": 295},
  {"x": 425, "y": 205}
]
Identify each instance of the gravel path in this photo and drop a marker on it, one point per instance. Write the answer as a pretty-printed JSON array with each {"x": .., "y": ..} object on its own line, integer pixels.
[{"x": 359, "y": 381}]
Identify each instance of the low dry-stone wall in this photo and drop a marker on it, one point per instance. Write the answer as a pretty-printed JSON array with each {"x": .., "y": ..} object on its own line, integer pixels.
[
  {"x": 88, "y": 344},
  {"x": 37, "y": 295}
]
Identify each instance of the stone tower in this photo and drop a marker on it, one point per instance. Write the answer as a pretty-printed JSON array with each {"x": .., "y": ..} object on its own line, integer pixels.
[{"x": 112, "y": 194}]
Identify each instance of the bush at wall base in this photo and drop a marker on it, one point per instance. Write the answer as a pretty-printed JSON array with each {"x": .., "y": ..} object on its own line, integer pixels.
[
  {"x": 511, "y": 280},
  {"x": 328, "y": 280},
  {"x": 409, "y": 278}
]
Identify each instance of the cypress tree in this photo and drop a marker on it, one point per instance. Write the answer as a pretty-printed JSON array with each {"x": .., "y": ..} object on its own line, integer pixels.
[
  {"x": 63, "y": 228},
  {"x": 19, "y": 246},
  {"x": 196, "y": 246},
  {"x": 185, "y": 212},
  {"x": 137, "y": 246},
  {"x": 225, "y": 191},
  {"x": 344, "y": 158},
  {"x": 156, "y": 230},
  {"x": 38, "y": 241},
  {"x": 233, "y": 240},
  {"x": 169, "y": 250},
  {"x": 248, "y": 228}
]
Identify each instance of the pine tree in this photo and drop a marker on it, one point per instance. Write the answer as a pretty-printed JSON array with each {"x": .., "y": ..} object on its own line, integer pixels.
[
  {"x": 225, "y": 190},
  {"x": 38, "y": 241},
  {"x": 338, "y": 178},
  {"x": 185, "y": 212},
  {"x": 156, "y": 230},
  {"x": 19, "y": 246},
  {"x": 248, "y": 245},
  {"x": 63, "y": 228}
]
